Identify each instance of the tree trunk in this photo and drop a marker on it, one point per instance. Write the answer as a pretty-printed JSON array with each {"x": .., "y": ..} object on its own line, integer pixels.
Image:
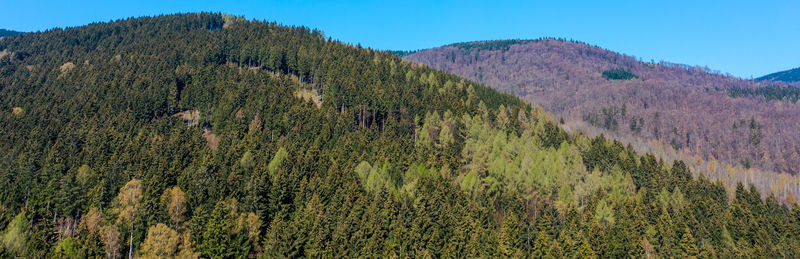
[{"x": 130, "y": 246}]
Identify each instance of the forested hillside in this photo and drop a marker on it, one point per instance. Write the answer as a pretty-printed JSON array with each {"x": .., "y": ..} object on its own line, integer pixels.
[
  {"x": 727, "y": 128},
  {"x": 789, "y": 76},
  {"x": 207, "y": 135},
  {"x": 4, "y": 32}
]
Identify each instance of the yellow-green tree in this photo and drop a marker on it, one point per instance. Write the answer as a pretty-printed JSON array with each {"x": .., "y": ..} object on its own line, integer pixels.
[
  {"x": 276, "y": 161},
  {"x": 129, "y": 202},
  {"x": 161, "y": 242},
  {"x": 604, "y": 214},
  {"x": 16, "y": 234},
  {"x": 174, "y": 199}
]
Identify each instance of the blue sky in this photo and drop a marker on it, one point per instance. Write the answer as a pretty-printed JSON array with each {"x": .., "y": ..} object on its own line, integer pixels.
[{"x": 744, "y": 38}]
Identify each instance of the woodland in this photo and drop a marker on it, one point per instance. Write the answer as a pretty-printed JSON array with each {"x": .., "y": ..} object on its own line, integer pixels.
[
  {"x": 205, "y": 135},
  {"x": 791, "y": 76}
]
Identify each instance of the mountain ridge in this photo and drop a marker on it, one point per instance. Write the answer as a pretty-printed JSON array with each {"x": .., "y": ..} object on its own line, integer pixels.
[
  {"x": 789, "y": 76},
  {"x": 497, "y": 44}
]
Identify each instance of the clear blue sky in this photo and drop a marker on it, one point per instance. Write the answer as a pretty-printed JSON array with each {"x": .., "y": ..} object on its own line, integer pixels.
[{"x": 744, "y": 38}]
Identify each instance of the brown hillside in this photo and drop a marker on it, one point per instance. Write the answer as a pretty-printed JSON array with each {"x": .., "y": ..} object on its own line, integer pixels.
[{"x": 680, "y": 108}]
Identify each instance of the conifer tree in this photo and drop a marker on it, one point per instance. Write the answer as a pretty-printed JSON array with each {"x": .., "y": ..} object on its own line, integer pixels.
[
  {"x": 508, "y": 237},
  {"x": 541, "y": 246},
  {"x": 688, "y": 245}
]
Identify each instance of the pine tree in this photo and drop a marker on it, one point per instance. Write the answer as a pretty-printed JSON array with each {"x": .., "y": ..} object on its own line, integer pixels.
[
  {"x": 222, "y": 236},
  {"x": 555, "y": 250},
  {"x": 508, "y": 237},
  {"x": 585, "y": 249},
  {"x": 688, "y": 247},
  {"x": 666, "y": 233},
  {"x": 541, "y": 246}
]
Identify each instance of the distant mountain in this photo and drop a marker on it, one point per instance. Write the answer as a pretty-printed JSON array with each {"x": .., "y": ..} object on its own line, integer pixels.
[
  {"x": 789, "y": 76},
  {"x": 4, "y": 32},
  {"x": 656, "y": 106}
]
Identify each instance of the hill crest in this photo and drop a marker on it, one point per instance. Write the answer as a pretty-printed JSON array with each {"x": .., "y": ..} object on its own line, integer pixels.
[{"x": 788, "y": 76}]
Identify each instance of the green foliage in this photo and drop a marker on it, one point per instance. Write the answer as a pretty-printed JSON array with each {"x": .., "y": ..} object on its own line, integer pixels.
[
  {"x": 248, "y": 161},
  {"x": 200, "y": 110},
  {"x": 788, "y": 94},
  {"x": 15, "y": 236},
  {"x": 508, "y": 243},
  {"x": 379, "y": 178},
  {"x": 566, "y": 196},
  {"x": 688, "y": 247},
  {"x": 277, "y": 161},
  {"x": 619, "y": 74},
  {"x": 541, "y": 245},
  {"x": 489, "y": 45},
  {"x": 363, "y": 170},
  {"x": 755, "y": 132},
  {"x": 470, "y": 183},
  {"x": 223, "y": 236},
  {"x": 521, "y": 163},
  {"x": 401, "y": 53},
  {"x": 678, "y": 201},
  {"x": 388, "y": 178},
  {"x": 604, "y": 214},
  {"x": 85, "y": 175},
  {"x": 66, "y": 248},
  {"x": 664, "y": 198}
]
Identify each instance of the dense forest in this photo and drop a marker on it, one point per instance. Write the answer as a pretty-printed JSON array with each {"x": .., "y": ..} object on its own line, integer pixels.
[
  {"x": 787, "y": 94},
  {"x": 208, "y": 135},
  {"x": 619, "y": 74},
  {"x": 727, "y": 128}
]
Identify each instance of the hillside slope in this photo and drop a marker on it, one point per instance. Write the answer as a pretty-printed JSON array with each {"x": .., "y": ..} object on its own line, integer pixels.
[
  {"x": 663, "y": 106},
  {"x": 207, "y": 135},
  {"x": 789, "y": 76}
]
